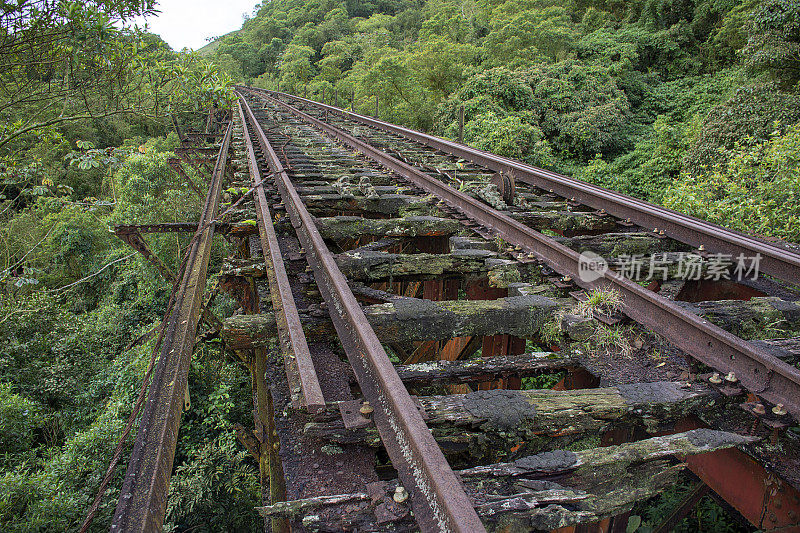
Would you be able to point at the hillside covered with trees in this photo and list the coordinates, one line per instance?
(689, 103)
(86, 103)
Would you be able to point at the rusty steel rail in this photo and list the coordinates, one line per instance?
(166, 227)
(438, 500)
(143, 499)
(776, 261)
(759, 371)
(296, 355)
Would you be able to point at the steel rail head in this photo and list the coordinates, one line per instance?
(759, 371)
(775, 260)
(290, 329)
(143, 498)
(437, 497)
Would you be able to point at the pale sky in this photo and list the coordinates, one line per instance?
(187, 23)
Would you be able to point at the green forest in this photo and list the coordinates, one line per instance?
(689, 103)
(693, 104)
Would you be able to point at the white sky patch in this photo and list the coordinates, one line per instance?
(187, 23)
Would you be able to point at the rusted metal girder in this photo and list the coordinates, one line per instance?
(438, 499)
(686, 505)
(166, 227)
(296, 356)
(131, 236)
(759, 371)
(143, 497)
(177, 165)
(763, 498)
(777, 261)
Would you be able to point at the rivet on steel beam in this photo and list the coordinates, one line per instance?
(655, 230)
(661, 232)
(702, 248)
(366, 409)
(400, 494)
(566, 279)
(759, 409)
(779, 410)
(731, 378)
(715, 379)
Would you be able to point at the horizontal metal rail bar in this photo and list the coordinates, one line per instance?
(438, 500)
(297, 357)
(166, 227)
(143, 499)
(776, 261)
(758, 371)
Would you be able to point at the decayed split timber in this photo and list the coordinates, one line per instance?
(566, 222)
(344, 227)
(412, 319)
(381, 266)
(387, 204)
(539, 492)
(488, 424)
(757, 318)
(616, 244)
(340, 228)
(786, 349)
(329, 205)
(484, 369)
(246, 268)
(372, 266)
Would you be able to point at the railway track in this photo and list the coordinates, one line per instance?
(143, 497)
(760, 371)
(777, 260)
(406, 304)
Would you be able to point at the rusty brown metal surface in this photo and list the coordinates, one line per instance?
(143, 497)
(297, 357)
(684, 508)
(776, 260)
(177, 165)
(762, 498)
(759, 371)
(438, 500)
(166, 227)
